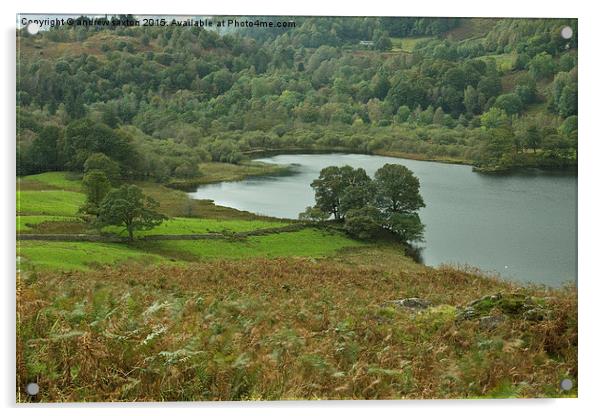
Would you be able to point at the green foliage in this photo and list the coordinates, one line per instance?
(533, 137)
(497, 147)
(510, 103)
(494, 118)
(84, 137)
(406, 225)
(313, 214)
(44, 149)
(569, 125)
(398, 197)
(398, 190)
(567, 104)
(526, 89)
(130, 208)
(101, 162)
(390, 201)
(364, 223)
(331, 187)
(542, 66)
(96, 187)
(160, 101)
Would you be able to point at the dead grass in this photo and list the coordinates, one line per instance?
(282, 329)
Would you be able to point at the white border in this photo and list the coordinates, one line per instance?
(590, 151)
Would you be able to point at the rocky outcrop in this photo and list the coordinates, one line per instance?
(411, 303)
(492, 310)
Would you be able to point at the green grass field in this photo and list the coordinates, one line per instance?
(303, 243)
(57, 180)
(202, 226)
(407, 44)
(45, 202)
(48, 203)
(504, 62)
(58, 255)
(55, 197)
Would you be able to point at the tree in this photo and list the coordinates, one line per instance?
(96, 187)
(398, 197)
(471, 100)
(498, 144)
(330, 187)
(567, 105)
(363, 223)
(398, 190)
(45, 150)
(403, 113)
(101, 162)
(367, 206)
(84, 137)
(542, 66)
(380, 85)
(313, 214)
(490, 86)
(569, 125)
(533, 137)
(382, 42)
(494, 118)
(187, 169)
(439, 116)
(526, 89)
(510, 103)
(127, 206)
(358, 194)
(407, 226)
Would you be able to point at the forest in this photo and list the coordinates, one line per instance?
(494, 93)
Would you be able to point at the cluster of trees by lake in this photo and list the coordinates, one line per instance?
(366, 206)
(159, 100)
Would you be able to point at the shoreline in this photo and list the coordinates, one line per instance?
(193, 184)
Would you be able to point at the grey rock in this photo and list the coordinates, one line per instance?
(412, 303)
(491, 322)
(466, 313)
(536, 314)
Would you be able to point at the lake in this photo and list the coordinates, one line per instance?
(522, 226)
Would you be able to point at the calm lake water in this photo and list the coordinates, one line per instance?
(523, 226)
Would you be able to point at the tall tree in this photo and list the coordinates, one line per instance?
(127, 206)
(398, 197)
(44, 150)
(103, 163)
(96, 187)
(398, 190)
(331, 185)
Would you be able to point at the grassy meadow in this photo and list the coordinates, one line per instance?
(407, 44)
(300, 314)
